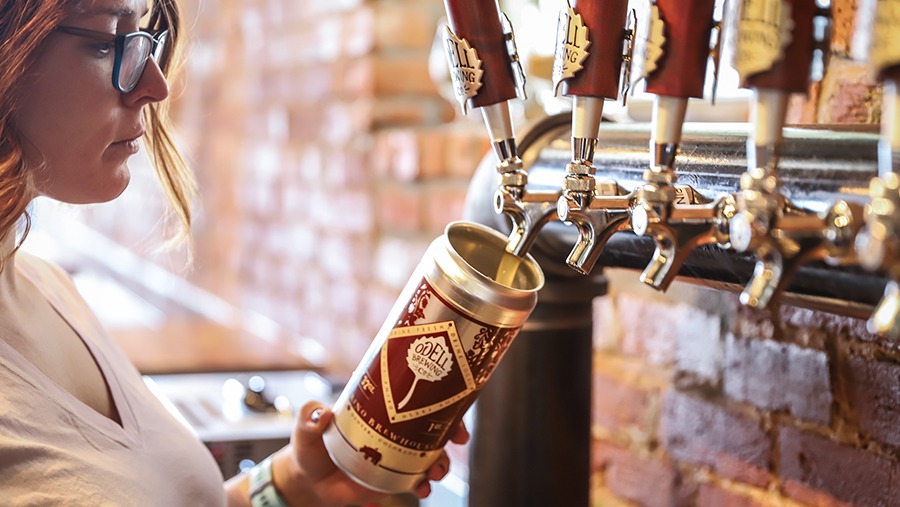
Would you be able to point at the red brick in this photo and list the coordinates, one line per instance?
(396, 258)
(405, 25)
(810, 496)
(443, 203)
(377, 305)
(467, 143)
(703, 432)
(850, 474)
(400, 208)
(403, 75)
(647, 481)
(408, 112)
(622, 406)
(777, 376)
(873, 392)
(711, 495)
(410, 155)
(849, 95)
(357, 31)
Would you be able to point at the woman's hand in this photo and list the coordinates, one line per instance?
(305, 474)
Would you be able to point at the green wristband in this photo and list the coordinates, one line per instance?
(262, 490)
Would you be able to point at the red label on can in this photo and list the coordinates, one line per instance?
(426, 374)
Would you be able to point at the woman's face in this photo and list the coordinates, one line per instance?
(77, 130)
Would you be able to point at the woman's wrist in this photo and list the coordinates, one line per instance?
(290, 481)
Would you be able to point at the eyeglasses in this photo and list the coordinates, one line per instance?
(133, 50)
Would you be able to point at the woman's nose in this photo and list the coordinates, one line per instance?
(152, 87)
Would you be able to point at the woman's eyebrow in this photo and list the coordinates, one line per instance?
(120, 11)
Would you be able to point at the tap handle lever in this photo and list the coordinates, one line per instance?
(589, 40)
(684, 229)
(766, 276)
(478, 53)
(674, 47)
(595, 228)
(597, 219)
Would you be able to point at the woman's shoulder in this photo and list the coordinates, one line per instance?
(42, 271)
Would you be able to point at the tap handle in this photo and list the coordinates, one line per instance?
(774, 43)
(478, 53)
(879, 43)
(680, 68)
(588, 58)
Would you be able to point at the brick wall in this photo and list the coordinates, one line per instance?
(699, 401)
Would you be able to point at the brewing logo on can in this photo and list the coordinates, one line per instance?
(419, 377)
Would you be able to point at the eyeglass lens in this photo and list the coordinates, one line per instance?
(135, 55)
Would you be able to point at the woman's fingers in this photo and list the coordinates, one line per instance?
(461, 435)
(439, 469)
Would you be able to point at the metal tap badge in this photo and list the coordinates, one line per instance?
(760, 30)
(465, 68)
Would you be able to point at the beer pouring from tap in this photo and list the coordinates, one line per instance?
(487, 74)
(587, 67)
(878, 245)
(774, 46)
(676, 35)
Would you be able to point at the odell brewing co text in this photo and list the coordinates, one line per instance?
(447, 332)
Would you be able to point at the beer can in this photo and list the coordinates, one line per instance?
(451, 325)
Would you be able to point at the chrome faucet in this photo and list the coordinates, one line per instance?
(673, 64)
(587, 67)
(781, 235)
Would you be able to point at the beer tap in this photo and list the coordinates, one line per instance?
(587, 67)
(877, 245)
(774, 45)
(675, 48)
(486, 74)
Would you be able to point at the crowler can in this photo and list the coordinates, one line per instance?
(443, 338)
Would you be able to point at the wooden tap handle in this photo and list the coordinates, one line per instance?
(792, 72)
(605, 20)
(681, 71)
(478, 22)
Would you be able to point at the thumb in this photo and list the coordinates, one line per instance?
(309, 448)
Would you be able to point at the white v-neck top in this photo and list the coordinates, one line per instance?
(55, 450)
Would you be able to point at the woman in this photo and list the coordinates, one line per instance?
(82, 82)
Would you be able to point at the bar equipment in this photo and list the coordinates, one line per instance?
(587, 67)
(773, 50)
(676, 37)
(878, 246)
(487, 74)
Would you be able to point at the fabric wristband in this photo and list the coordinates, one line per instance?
(262, 490)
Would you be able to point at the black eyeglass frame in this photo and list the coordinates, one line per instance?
(157, 48)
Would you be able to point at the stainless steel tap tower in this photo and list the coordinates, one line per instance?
(775, 213)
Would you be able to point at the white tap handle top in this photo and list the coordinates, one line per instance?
(498, 121)
(890, 115)
(767, 113)
(668, 119)
(587, 113)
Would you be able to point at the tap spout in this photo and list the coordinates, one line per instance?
(528, 212)
(596, 220)
(687, 228)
